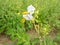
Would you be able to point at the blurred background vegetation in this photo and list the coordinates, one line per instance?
(47, 17)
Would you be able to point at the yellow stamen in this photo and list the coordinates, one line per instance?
(25, 13)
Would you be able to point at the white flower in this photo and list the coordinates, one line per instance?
(28, 17)
(31, 9)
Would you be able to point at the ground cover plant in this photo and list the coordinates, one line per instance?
(45, 21)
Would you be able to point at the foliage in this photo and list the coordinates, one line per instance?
(46, 16)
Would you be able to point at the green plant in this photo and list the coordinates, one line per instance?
(47, 16)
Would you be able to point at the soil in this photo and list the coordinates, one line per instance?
(33, 34)
(4, 40)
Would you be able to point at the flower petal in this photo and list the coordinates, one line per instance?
(28, 17)
(31, 9)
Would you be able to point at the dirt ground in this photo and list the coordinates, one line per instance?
(4, 40)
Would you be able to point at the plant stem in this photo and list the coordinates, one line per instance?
(44, 41)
